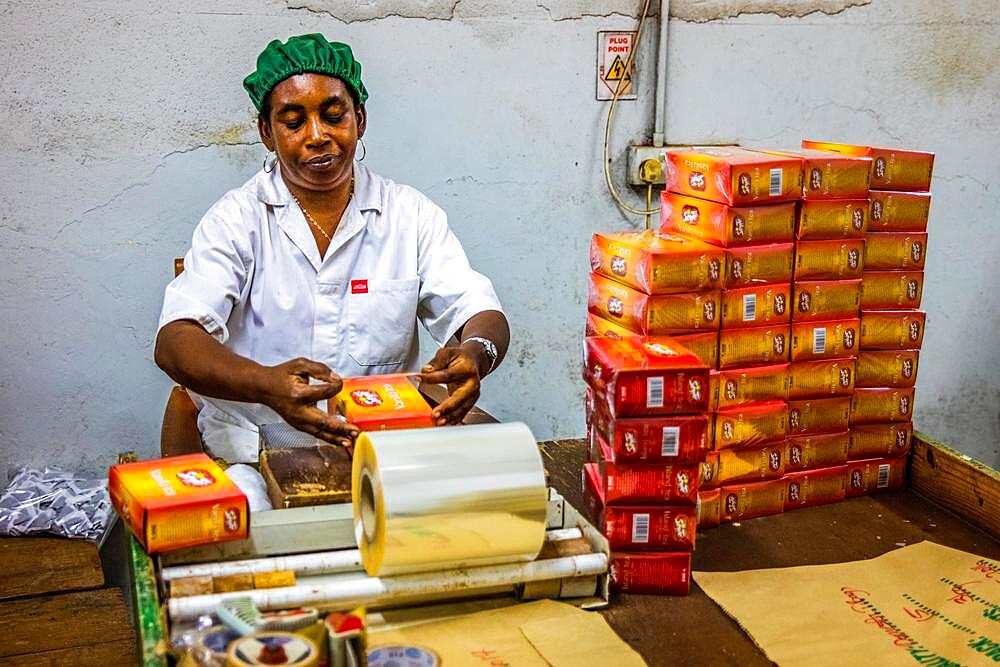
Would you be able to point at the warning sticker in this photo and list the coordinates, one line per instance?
(613, 49)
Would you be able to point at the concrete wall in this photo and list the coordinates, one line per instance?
(124, 121)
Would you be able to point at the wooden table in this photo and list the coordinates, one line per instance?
(693, 630)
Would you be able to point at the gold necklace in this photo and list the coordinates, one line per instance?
(310, 219)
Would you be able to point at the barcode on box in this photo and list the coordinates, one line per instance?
(749, 307)
(883, 476)
(775, 188)
(671, 441)
(640, 528)
(654, 392)
(819, 340)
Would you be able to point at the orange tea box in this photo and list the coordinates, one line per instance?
(657, 263)
(748, 425)
(755, 306)
(384, 402)
(648, 484)
(726, 226)
(829, 260)
(640, 527)
(823, 378)
(892, 290)
(751, 464)
(733, 175)
(828, 175)
(645, 375)
(750, 385)
(753, 346)
(819, 415)
(815, 487)
(875, 406)
(895, 251)
(817, 451)
(598, 326)
(825, 299)
(652, 573)
(657, 314)
(709, 508)
(824, 340)
(891, 168)
(892, 330)
(874, 475)
(832, 219)
(759, 265)
(709, 472)
(178, 502)
(887, 368)
(704, 345)
(898, 211)
(748, 501)
(880, 440)
(680, 439)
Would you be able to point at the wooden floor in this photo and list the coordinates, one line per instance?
(694, 631)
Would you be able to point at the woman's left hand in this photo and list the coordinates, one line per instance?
(457, 367)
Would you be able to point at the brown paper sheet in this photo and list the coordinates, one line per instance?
(539, 633)
(922, 604)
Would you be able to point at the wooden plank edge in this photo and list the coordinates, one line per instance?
(960, 484)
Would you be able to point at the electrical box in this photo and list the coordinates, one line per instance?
(637, 155)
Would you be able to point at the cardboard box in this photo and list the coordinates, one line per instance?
(829, 175)
(598, 326)
(757, 305)
(726, 226)
(749, 425)
(829, 260)
(178, 502)
(638, 527)
(709, 472)
(895, 251)
(657, 314)
(753, 346)
(824, 378)
(891, 168)
(656, 573)
(825, 300)
(652, 375)
(898, 211)
(815, 487)
(875, 406)
(648, 484)
(704, 345)
(892, 290)
(681, 440)
(709, 508)
(887, 368)
(817, 451)
(383, 402)
(824, 340)
(832, 219)
(733, 175)
(759, 265)
(657, 263)
(749, 385)
(880, 441)
(892, 330)
(819, 415)
(748, 501)
(752, 464)
(875, 475)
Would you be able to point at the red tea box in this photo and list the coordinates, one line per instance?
(752, 464)
(892, 290)
(749, 385)
(656, 314)
(753, 346)
(875, 475)
(829, 175)
(824, 378)
(817, 451)
(880, 440)
(733, 175)
(887, 368)
(726, 226)
(675, 439)
(824, 340)
(829, 260)
(654, 573)
(759, 265)
(898, 211)
(704, 345)
(827, 219)
(709, 508)
(895, 251)
(819, 415)
(657, 263)
(875, 406)
(825, 300)
(815, 487)
(748, 501)
(892, 330)
(648, 484)
(756, 306)
(709, 472)
(891, 168)
(748, 425)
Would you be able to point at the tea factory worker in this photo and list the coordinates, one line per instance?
(317, 269)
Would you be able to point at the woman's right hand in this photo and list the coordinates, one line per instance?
(285, 388)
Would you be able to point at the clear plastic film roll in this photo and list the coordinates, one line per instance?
(437, 498)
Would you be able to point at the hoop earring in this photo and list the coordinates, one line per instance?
(365, 154)
(266, 155)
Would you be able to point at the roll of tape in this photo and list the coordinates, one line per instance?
(438, 498)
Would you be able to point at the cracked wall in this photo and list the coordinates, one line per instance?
(109, 158)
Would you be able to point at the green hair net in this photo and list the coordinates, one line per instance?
(304, 53)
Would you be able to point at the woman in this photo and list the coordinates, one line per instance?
(317, 269)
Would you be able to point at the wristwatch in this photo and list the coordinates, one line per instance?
(489, 346)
